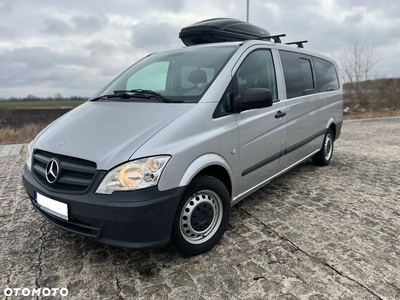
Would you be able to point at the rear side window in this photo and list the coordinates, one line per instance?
(306, 72)
(293, 74)
(327, 79)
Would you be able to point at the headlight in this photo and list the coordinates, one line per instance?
(133, 175)
(29, 156)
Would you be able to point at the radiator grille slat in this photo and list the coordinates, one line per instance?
(75, 174)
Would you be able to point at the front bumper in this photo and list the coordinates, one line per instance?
(136, 219)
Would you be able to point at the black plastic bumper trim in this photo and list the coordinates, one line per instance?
(135, 219)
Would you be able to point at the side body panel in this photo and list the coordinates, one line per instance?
(307, 119)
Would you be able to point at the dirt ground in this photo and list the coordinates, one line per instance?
(314, 233)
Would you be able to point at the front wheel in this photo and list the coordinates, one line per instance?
(202, 216)
(324, 156)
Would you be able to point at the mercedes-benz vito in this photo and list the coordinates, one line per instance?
(162, 152)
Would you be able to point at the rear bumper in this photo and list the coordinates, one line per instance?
(137, 219)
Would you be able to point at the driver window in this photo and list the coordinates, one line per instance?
(257, 71)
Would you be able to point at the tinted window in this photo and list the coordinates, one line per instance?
(293, 74)
(327, 79)
(306, 71)
(257, 70)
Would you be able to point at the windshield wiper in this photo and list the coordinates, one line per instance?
(118, 95)
(144, 93)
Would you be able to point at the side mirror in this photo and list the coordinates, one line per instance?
(253, 98)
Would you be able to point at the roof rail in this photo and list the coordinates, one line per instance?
(276, 38)
(299, 44)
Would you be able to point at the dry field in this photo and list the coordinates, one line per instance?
(19, 126)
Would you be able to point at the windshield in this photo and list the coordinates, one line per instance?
(181, 75)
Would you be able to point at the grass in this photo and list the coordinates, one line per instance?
(21, 135)
(40, 104)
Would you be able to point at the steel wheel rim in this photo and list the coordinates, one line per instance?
(328, 147)
(201, 204)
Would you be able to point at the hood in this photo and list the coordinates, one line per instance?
(107, 133)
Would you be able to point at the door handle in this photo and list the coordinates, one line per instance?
(280, 114)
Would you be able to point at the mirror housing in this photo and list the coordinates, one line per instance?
(253, 98)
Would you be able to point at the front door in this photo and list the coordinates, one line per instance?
(261, 131)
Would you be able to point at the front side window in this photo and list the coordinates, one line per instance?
(181, 75)
(256, 71)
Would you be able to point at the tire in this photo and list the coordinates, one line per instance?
(206, 199)
(324, 156)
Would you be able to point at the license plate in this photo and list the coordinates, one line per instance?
(51, 206)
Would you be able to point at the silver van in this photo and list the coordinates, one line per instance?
(163, 151)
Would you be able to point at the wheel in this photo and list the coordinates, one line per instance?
(202, 216)
(324, 156)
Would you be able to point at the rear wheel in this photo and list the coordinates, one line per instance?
(202, 216)
(324, 156)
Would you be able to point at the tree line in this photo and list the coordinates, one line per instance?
(56, 97)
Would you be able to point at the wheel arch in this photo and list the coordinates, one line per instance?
(210, 164)
(331, 125)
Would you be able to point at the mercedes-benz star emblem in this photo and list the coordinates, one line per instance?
(52, 171)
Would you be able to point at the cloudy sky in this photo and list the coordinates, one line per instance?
(75, 47)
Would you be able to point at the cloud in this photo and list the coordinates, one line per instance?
(77, 46)
(78, 24)
(170, 5)
(89, 24)
(155, 36)
(355, 18)
(5, 9)
(48, 70)
(57, 27)
(37, 58)
(101, 47)
(7, 33)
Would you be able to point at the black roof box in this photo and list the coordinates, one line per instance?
(221, 30)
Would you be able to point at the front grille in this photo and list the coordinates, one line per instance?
(75, 174)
